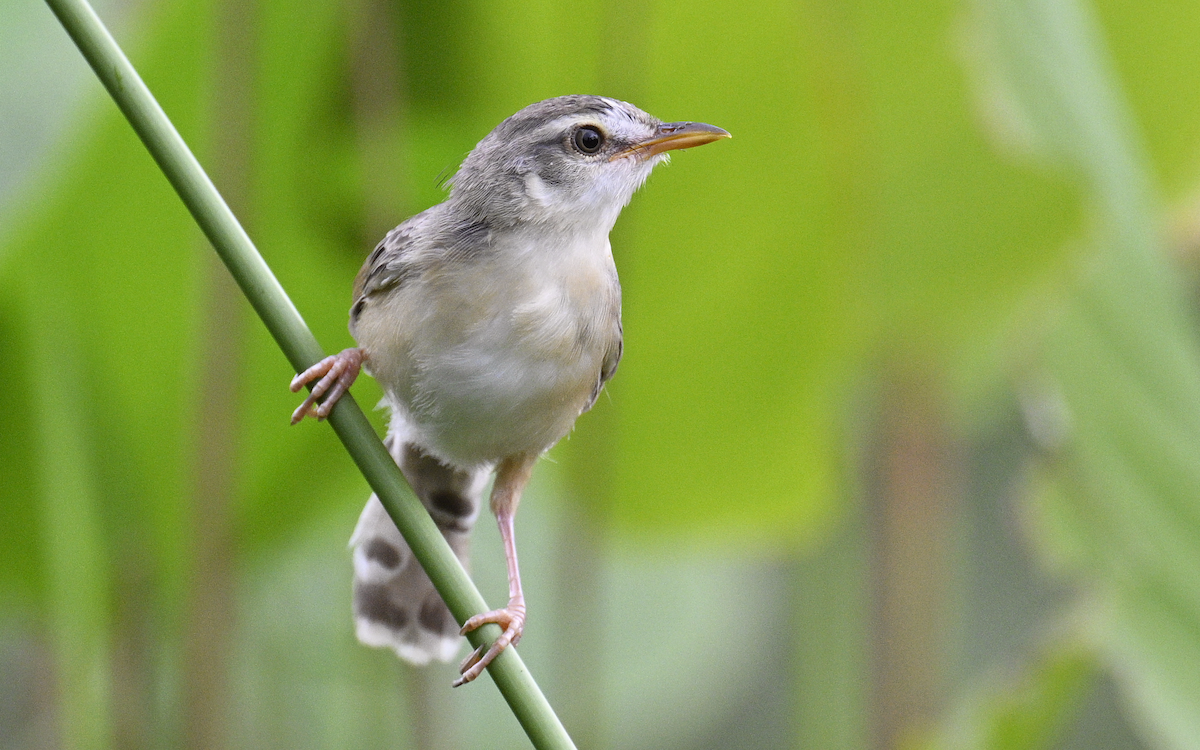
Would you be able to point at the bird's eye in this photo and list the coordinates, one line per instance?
(588, 139)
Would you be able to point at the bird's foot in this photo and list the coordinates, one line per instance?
(511, 618)
(336, 373)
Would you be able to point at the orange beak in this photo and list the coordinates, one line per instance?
(672, 135)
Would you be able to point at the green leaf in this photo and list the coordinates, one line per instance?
(1125, 367)
(1029, 710)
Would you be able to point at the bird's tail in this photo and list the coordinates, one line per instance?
(395, 604)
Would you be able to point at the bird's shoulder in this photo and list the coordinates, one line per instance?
(431, 238)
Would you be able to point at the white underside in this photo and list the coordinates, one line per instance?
(498, 357)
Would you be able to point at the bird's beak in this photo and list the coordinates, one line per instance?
(673, 135)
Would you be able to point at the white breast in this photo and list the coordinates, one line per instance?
(500, 355)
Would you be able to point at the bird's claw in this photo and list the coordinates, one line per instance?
(337, 373)
(512, 619)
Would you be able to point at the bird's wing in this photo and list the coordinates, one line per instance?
(608, 366)
(421, 242)
(612, 357)
(388, 265)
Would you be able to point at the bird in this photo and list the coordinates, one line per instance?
(492, 321)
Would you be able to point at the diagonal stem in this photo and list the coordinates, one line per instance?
(300, 347)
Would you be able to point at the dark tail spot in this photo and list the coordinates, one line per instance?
(383, 552)
(435, 617)
(371, 602)
(451, 503)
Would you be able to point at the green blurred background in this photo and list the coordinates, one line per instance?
(903, 452)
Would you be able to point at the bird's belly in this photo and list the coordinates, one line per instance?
(501, 404)
(478, 386)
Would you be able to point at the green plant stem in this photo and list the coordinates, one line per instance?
(302, 350)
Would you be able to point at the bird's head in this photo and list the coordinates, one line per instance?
(572, 161)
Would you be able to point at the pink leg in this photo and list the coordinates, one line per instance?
(336, 373)
(511, 477)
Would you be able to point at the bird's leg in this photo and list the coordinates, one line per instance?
(511, 477)
(336, 373)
